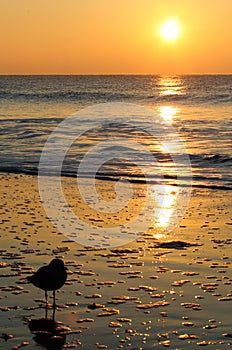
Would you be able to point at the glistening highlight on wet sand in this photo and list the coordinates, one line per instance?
(159, 291)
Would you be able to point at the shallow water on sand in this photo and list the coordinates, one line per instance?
(151, 295)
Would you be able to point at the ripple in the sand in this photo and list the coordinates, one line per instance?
(106, 283)
(202, 343)
(93, 296)
(158, 295)
(177, 245)
(179, 283)
(123, 319)
(227, 335)
(193, 306)
(21, 345)
(152, 305)
(87, 319)
(187, 336)
(114, 324)
(225, 299)
(108, 312)
(190, 273)
(121, 299)
(6, 336)
(210, 326)
(95, 306)
(85, 273)
(101, 346)
(188, 324)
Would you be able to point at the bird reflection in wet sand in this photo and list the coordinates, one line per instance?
(49, 333)
(50, 277)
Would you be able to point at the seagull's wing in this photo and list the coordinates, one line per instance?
(39, 276)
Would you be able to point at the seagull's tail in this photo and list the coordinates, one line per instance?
(29, 279)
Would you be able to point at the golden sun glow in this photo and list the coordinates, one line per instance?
(166, 204)
(170, 30)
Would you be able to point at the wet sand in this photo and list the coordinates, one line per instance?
(159, 291)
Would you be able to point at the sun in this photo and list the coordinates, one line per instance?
(170, 30)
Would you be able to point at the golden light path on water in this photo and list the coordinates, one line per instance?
(171, 86)
(167, 198)
(168, 112)
(166, 205)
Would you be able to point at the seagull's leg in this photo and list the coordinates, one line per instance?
(54, 305)
(53, 313)
(46, 298)
(54, 298)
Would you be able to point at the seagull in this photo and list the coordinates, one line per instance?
(50, 277)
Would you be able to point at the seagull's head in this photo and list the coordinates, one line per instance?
(57, 264)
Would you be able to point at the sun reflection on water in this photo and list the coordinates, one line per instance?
(170, 86)
(168, 112)
(165, 198)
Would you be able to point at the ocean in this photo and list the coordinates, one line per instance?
(198, 108)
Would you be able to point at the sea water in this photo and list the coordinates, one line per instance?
(199, 108)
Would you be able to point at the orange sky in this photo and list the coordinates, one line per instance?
(114, 36)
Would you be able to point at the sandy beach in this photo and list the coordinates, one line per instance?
(158, 291)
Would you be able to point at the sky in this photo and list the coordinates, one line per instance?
(115, 37)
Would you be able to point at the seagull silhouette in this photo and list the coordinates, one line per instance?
(50, 277)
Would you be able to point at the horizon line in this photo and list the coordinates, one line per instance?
(108, 74)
